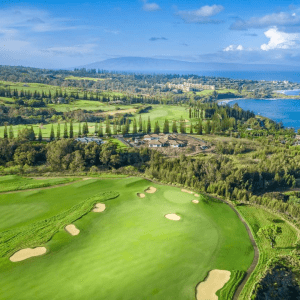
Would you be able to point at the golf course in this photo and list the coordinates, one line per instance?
(121, 238)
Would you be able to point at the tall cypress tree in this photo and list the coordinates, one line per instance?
(166, 128)
(58, 131)
(127, 126)
(100, 131)
(52, 133)
(144, 127)
(32, 134)
(40, 136)
(156, 128)
(107, 126)
(149, 125)
(174, 127)
(134, 129)
(140, 124)
(11, 132)
(5, 132)
(79, 129)
(191, 128)
(66, 131)
(199, 127)
(115, 129)
(71, 130)
(96, 128)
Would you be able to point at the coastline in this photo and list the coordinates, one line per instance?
(221, 102)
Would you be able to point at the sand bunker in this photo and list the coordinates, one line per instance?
(99, 207)
(150, 190)
(141, 195)
(27, 253)
(197, 195)
(186, 191)
(207, 289)
(72, 229)
(172, 217)
(195, 201)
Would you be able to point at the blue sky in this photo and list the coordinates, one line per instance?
(61, 34)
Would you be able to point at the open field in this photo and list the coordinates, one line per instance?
(128, 251)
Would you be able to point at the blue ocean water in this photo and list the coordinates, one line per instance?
(285, 111)
(251, 75)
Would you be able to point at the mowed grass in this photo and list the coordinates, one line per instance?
(15, 183)
(258, 218)
(130, 251)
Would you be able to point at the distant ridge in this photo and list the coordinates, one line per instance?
(145, 64)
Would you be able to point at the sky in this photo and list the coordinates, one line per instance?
(64, 34)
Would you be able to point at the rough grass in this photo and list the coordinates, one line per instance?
(130, 251)
(229, 288)
(84, 78)
(15, 183)
(256, 218)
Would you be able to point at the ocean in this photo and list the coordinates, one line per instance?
(285, 111)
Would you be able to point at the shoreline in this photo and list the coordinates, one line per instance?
(220, 102)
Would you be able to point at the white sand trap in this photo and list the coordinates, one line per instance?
(99, 207)
(88, 178)
(172, 217)
(27, 253)
(150, 190)
(141, 195)
(195, 201)
(186, 191)
(197, 195)
(207, 289)
(72, 229)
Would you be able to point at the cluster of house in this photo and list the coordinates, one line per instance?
(163, 140)
(87, 140)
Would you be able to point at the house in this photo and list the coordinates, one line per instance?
(147, 138)
(155, 144)
(155, 136)
(176, 144)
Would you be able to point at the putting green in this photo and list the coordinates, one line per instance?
(130, 250)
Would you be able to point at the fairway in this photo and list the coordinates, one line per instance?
(128, 251)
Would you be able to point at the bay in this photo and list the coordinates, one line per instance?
(281, 110)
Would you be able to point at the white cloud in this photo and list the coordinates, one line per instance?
(234, 48)
(276, 19)
(150, 6)
(202, 15)
(71, 50)
(280, 40)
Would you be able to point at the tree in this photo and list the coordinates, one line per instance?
(270, 232)
(166, 128)
(156, 128)
(32, 134)
(96, 128)
(174, 127)
(191, 128)
(199, 127)
(58, 131)
(11, 132)
(140, 124)
(40, 136)
(149, 125)
(65, 131)
(107, 125)
(52, 133)
(79, 129)
(5, 132)
(71, 130)
(100, 131)
(134, 129)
